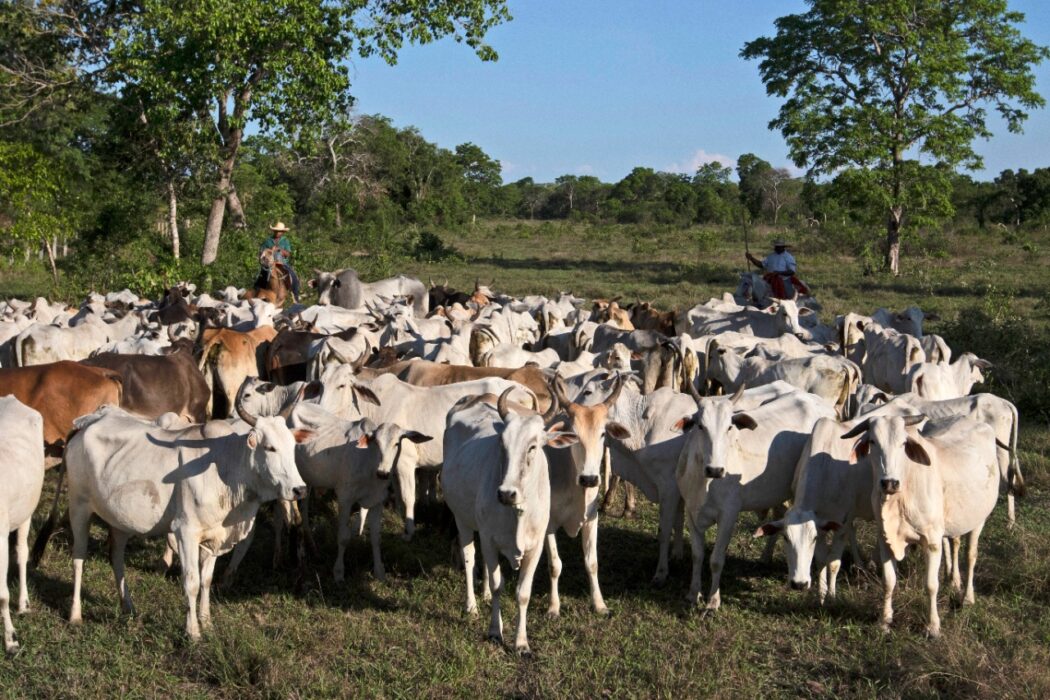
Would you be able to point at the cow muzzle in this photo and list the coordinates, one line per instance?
(298, 493)
(508, 497)
(890, 486)
(589, 481)
(714, 472)
(382, 475)
(798, 585)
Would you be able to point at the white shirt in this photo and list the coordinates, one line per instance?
(780, 262)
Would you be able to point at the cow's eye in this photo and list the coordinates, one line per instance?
(271, 448)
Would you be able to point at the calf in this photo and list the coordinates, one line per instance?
(497, 483)
(22, 473)
(939, 381)
(941, 482)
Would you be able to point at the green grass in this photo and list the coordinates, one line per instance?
(279, 637)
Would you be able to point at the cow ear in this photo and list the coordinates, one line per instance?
(804, 311)
(337, 282)
(617, 431)
(684, 424)
(416, 437)
(860, 451)
(560, 439)
(744, 421)
(362, 442)
(312, 284)
(829, 525)
(312, 390)
(768, 529)
(916, 452)
(253, 439)
(302, 436)
(366, 394)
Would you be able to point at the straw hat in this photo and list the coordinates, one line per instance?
(279, 227)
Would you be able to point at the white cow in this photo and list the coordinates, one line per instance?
(889, 357)
(722, 470)
(496, 482)
(936, 349)
(203, 484)
(947, 381)
(355, 459)
(940, 482)
(22, 473)
(829, 494)
(38, 344)
(781, 318)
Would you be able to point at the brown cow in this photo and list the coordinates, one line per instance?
(424, 373)
(227, 358)
(61, 392)
(157, 384)
(645, 317)
(287, 356)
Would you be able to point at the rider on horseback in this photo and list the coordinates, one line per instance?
(281, 249)
(778, 265)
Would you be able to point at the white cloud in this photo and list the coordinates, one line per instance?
(698, 158)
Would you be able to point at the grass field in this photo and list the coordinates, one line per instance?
(279, 637)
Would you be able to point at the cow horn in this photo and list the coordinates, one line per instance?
(446, 282)
(615, 393)
(501, 404)
(552, 410)
(477, 283)
(357, 364)
(432, 283)
(557, 385)
(239, 406)
(286, 412)
(914, 419)
(738, 395)
(857, 430)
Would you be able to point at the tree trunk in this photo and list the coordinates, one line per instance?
(218, 211)
(893, 240)
(49, 246)
(338, 216)
(236, 210)
(173, 219)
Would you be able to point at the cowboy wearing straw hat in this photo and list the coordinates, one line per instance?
(778, 265)
(282, 253)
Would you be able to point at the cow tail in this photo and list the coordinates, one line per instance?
(18, 351)
(1015, 480)
(42, 537)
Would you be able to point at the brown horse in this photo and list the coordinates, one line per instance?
(280, 281)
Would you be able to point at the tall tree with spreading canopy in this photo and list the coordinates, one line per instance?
(877, 84)
(280, 64)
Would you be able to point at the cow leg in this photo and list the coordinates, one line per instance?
(79, 517)
(679, 524)
(346, 533)
(189, 555)
(933, 581)
(610, 492)
(669, 503)
(304, 520)
(119, 544)
(375, 532)
(971, 561)
(281, 518)
(770, 545)
(590, 560)
(1011, 515)
(208, 560)
(956, 574)
(22, 556)
(524, 593)
(834, 563)
(406, 482)
(239, 550)
(554, 562)
(490, 554)
(357, 521)
(630, 505)
(889, 582)
(10, 645)
(607, 474)
(697, 540)
(168, 558)
(718, 557)
(466, 543)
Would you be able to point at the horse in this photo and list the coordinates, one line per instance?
(278, 284)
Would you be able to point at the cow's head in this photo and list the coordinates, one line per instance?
(890, 447)
(523, 437)
(976, 365)
(715, 430)
(592, 426)
(390, 443)
(271, 446)
(342, 394)
(325, 283)
(787, 313)
(800, 529)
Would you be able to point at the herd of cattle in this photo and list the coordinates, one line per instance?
(179, 418)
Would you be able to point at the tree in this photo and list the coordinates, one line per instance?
(751, 171)
(876, 85)
(481, 174)
(279, 64)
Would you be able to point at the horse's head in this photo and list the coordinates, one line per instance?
(266, 259)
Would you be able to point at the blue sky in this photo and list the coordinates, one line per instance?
(593, 87)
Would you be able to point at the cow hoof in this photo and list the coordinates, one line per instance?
(630, 514)
(603, 612)
(933, 632)
(659, 581)
(708, 613)
(11, 648)
(472, 613)
(495, 638)
(524, 651)
(553, 613)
